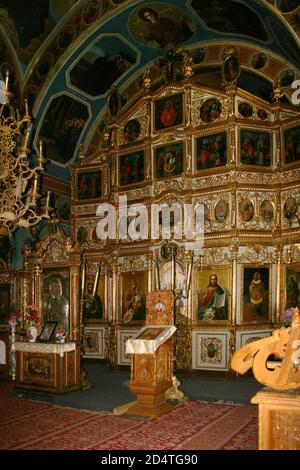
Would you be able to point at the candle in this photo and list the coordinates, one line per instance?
(41, 150)
(82, 279)
(96, 281)
(35, 183)
(26, 108)
(26, 136)
(157, 283)
(6, 80)
(48, 199)
(188, 286)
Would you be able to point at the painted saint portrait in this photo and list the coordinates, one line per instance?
(93, 302)
(160, 25)
(132, 168)
(131, 131)
(91, 11)
(89, 185)
(245, 109)
(211, 151)
(169, 160)
(213, 285)
(267, 211)
(286, 78)
(210, 110)
(62, 126)
(63, 208)
(255, 302)
(134, 290)
(255, 148)
(259, 60)
(168, 112)
(82, 235)
(56, 297)
(292, 145)
(292, 287)
(262, 114)
(221, 211)
(231, 69)
(246, 210)
(290, 208)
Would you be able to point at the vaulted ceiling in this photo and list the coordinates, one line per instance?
(65, 56)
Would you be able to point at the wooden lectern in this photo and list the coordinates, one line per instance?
(151, 365)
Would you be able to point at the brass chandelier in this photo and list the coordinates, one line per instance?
(19, 180)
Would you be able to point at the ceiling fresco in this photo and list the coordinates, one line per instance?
(77, 50)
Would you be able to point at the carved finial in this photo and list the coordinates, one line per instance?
(187, 66)
(277, 92)
(146, 79)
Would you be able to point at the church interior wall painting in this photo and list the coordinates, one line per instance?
(256, 294)
(169, 160)
(213, 288)
(56, 297)
(62, 126)
(211, 151)
(110, 54)
(291, 284)
(255, 148)
(291, 145)
(168, 112)
(210, 110)
(133, 297)
(160, 25)
(132, 168)
(89, 185)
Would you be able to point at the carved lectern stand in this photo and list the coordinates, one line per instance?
(152, 355)
(275, 362)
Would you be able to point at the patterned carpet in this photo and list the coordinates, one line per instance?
(197, 425)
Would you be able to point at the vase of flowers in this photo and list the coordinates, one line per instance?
(31, 319)
(287, 317)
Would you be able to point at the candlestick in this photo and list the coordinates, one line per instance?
(48, 199)
(26, 108)
(6, 80)
(35, 183)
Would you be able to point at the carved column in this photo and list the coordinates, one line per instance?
(234, 253)
(278, 257)
(36, 299)
(150, 269)
(77, 322)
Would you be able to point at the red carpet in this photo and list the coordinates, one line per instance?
(27, 424)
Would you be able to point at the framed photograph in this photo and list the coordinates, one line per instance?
(211, 151)
(213, 287)
(48, 331)
(291, 287)
(93, 308)
(255, 148)
(56, 297)
(132, 168)
(133, 297)
(291, 138)
(169, 160)
(256, 294)
(89, 185)
(4, 302)
(168, 112)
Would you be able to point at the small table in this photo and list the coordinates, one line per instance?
(47, 367)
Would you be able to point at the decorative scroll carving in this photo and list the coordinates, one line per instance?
(256, 254)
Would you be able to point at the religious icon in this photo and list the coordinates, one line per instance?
(155, 29)
(132, 168)
(255, 302)
(259, 60)
(89, 185)
(231, 69)
(290, 208)
(255, 148)
(292, 287)
(213, 286)
(131, 131)
(113, 103)
(292, 145)
(211, 151)
(210, 110)
(94, 300)
(56, 297)
(4, 302)
(246, 210)
(134, 289)
(221, 211)
(169, 112)
(169, 160)
(267, 211)
(245, 109)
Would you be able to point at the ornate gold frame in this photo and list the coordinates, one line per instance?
(265, 319)
(89, 169)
